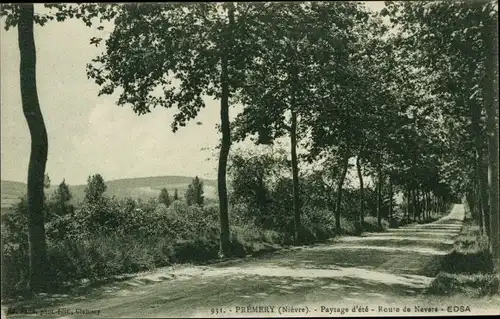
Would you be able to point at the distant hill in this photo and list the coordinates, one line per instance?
(142, 187)
(10, 192)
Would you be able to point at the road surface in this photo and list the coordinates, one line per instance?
(381, 273)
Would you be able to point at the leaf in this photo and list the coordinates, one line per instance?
(95, 41)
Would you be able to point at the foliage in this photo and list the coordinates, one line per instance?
(194, 192)
(109, 237)
(175, 54)
(468, 268)
(252, 175)
(164, 197)
(406, 98)
(95, 188)
(456, 58)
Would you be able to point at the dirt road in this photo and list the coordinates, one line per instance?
(381, 273)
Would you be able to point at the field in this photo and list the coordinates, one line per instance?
(138, 188)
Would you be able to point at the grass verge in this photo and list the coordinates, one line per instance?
(468, 269)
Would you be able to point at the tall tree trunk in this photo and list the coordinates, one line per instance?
(295, 176)
(379, 195)
(491, 106)
(428, 204)
(438, 211)
(225, 245)
(482, 185)
(361, 193)
(421, 195)
(345, 162)
(294, 74)
(424, 205)
(476, 200)
(480, 168)
(441, 205)
(408, 203)
(420, 204)
(436, 206)
(471, 204)
(39, 149)
(420, 199)
(415, 204)
(433, 205)
(391, 195)
(434, 209)
(429, 209)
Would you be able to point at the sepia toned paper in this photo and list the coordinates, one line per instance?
(132, 195)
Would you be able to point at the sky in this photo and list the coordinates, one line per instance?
(90, 134)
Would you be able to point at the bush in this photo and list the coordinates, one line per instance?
(111, 237)
(199, 249)
(107, 237)
(370, 224)
(476, 285)
(470, 253)
(248, 239)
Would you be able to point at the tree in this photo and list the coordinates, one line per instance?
(95, 188)
(461, 61)
(252, 175)
(63, 193)
(176, 195)
(491, 105)
(183, 52)
(164, 197)
(24, 17)
(60, 205)
(282, 84)
(194, 192)
(352, 91)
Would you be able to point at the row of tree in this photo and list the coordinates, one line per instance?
(193, 195)
(95, 188)
(309, 71)
(455, 47)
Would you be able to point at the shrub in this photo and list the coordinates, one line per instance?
(468, 268)
(370, 224)
(470, 253)
(476, 285)
(198, 249)
(248, 239)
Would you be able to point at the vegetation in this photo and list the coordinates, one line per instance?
(459, 67)
(107, 236)
(164, 197)
(469, 268)
(194, 193)
(408, 93)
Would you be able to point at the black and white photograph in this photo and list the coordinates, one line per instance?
(249, 159)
